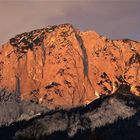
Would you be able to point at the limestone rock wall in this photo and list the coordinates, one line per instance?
(61, 66)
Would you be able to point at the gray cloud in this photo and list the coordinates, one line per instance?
(112, 18)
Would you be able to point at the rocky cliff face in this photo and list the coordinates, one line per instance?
(60, 66)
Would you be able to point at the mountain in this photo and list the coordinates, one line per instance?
(60, 66)
(61, 83)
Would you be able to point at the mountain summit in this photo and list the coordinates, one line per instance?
(60, 66)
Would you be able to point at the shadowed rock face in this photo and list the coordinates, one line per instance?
(59, 66)
(14, 110)
(114, 117)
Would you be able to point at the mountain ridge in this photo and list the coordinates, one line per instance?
(60, 66)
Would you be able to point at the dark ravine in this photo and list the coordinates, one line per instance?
(17, 89)
(85, 56)
(84, 59)
(115, 117)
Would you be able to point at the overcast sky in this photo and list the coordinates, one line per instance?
(112, 18)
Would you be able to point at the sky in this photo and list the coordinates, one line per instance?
(115, 19)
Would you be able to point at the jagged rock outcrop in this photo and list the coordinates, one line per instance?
(60, 66)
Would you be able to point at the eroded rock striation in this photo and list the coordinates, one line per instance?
(60, 66)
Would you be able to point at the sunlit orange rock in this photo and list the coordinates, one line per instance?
(61, 66)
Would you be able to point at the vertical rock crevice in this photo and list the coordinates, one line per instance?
(17, 93)
(43, 54)
(84, 59)
(84, 52)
